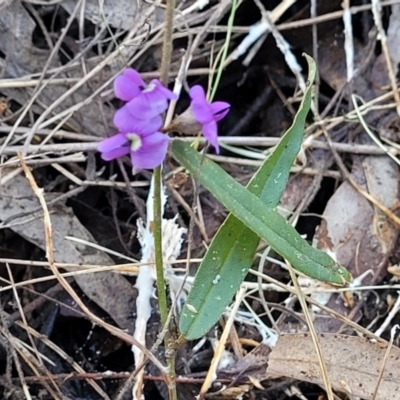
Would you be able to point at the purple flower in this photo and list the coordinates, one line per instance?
(126, 122)
(147, 151)
(144, 102)
(208, 114)
(138, 121)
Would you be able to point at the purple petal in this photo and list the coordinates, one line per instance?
(197, 93)
(113, 154)
(148, 105)
(158, 100)
(210, 132)
(200, 107)
(128, 85)
(134, 76)
(112, 143)
(126, 122)
(152, 153)
(169, 94)
(219, 109)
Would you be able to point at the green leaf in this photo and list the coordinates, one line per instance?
(264, 221)
(231, 252)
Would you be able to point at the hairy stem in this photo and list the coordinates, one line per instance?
(161, 288)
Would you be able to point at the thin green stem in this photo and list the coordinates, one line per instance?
(161, 288)
(225, 50)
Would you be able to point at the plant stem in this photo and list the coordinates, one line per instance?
(167, 42)
(224, 51)
(161, 290)
(162, 295)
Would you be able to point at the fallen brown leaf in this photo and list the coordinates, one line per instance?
(106, 12)
(23, 58)
(252, 366)
(353, 363)
(360, 235)
(110, 291)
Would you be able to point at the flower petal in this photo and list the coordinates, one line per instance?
(169, 94)
(152, 153)
(112, 143)
(126, 122)
(220, 109)
(197, 93)
(148, 105)
(128, 85)
(134, 76)
(210, 132)
(200, 107)
(113, 154)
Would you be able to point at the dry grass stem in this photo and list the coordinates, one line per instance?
(385, 360)
(211, 373)
(310, 324)
(53, 116)
(50, 256)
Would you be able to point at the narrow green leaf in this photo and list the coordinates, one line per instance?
(265, 221)
(230, 254)
(232, 250)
